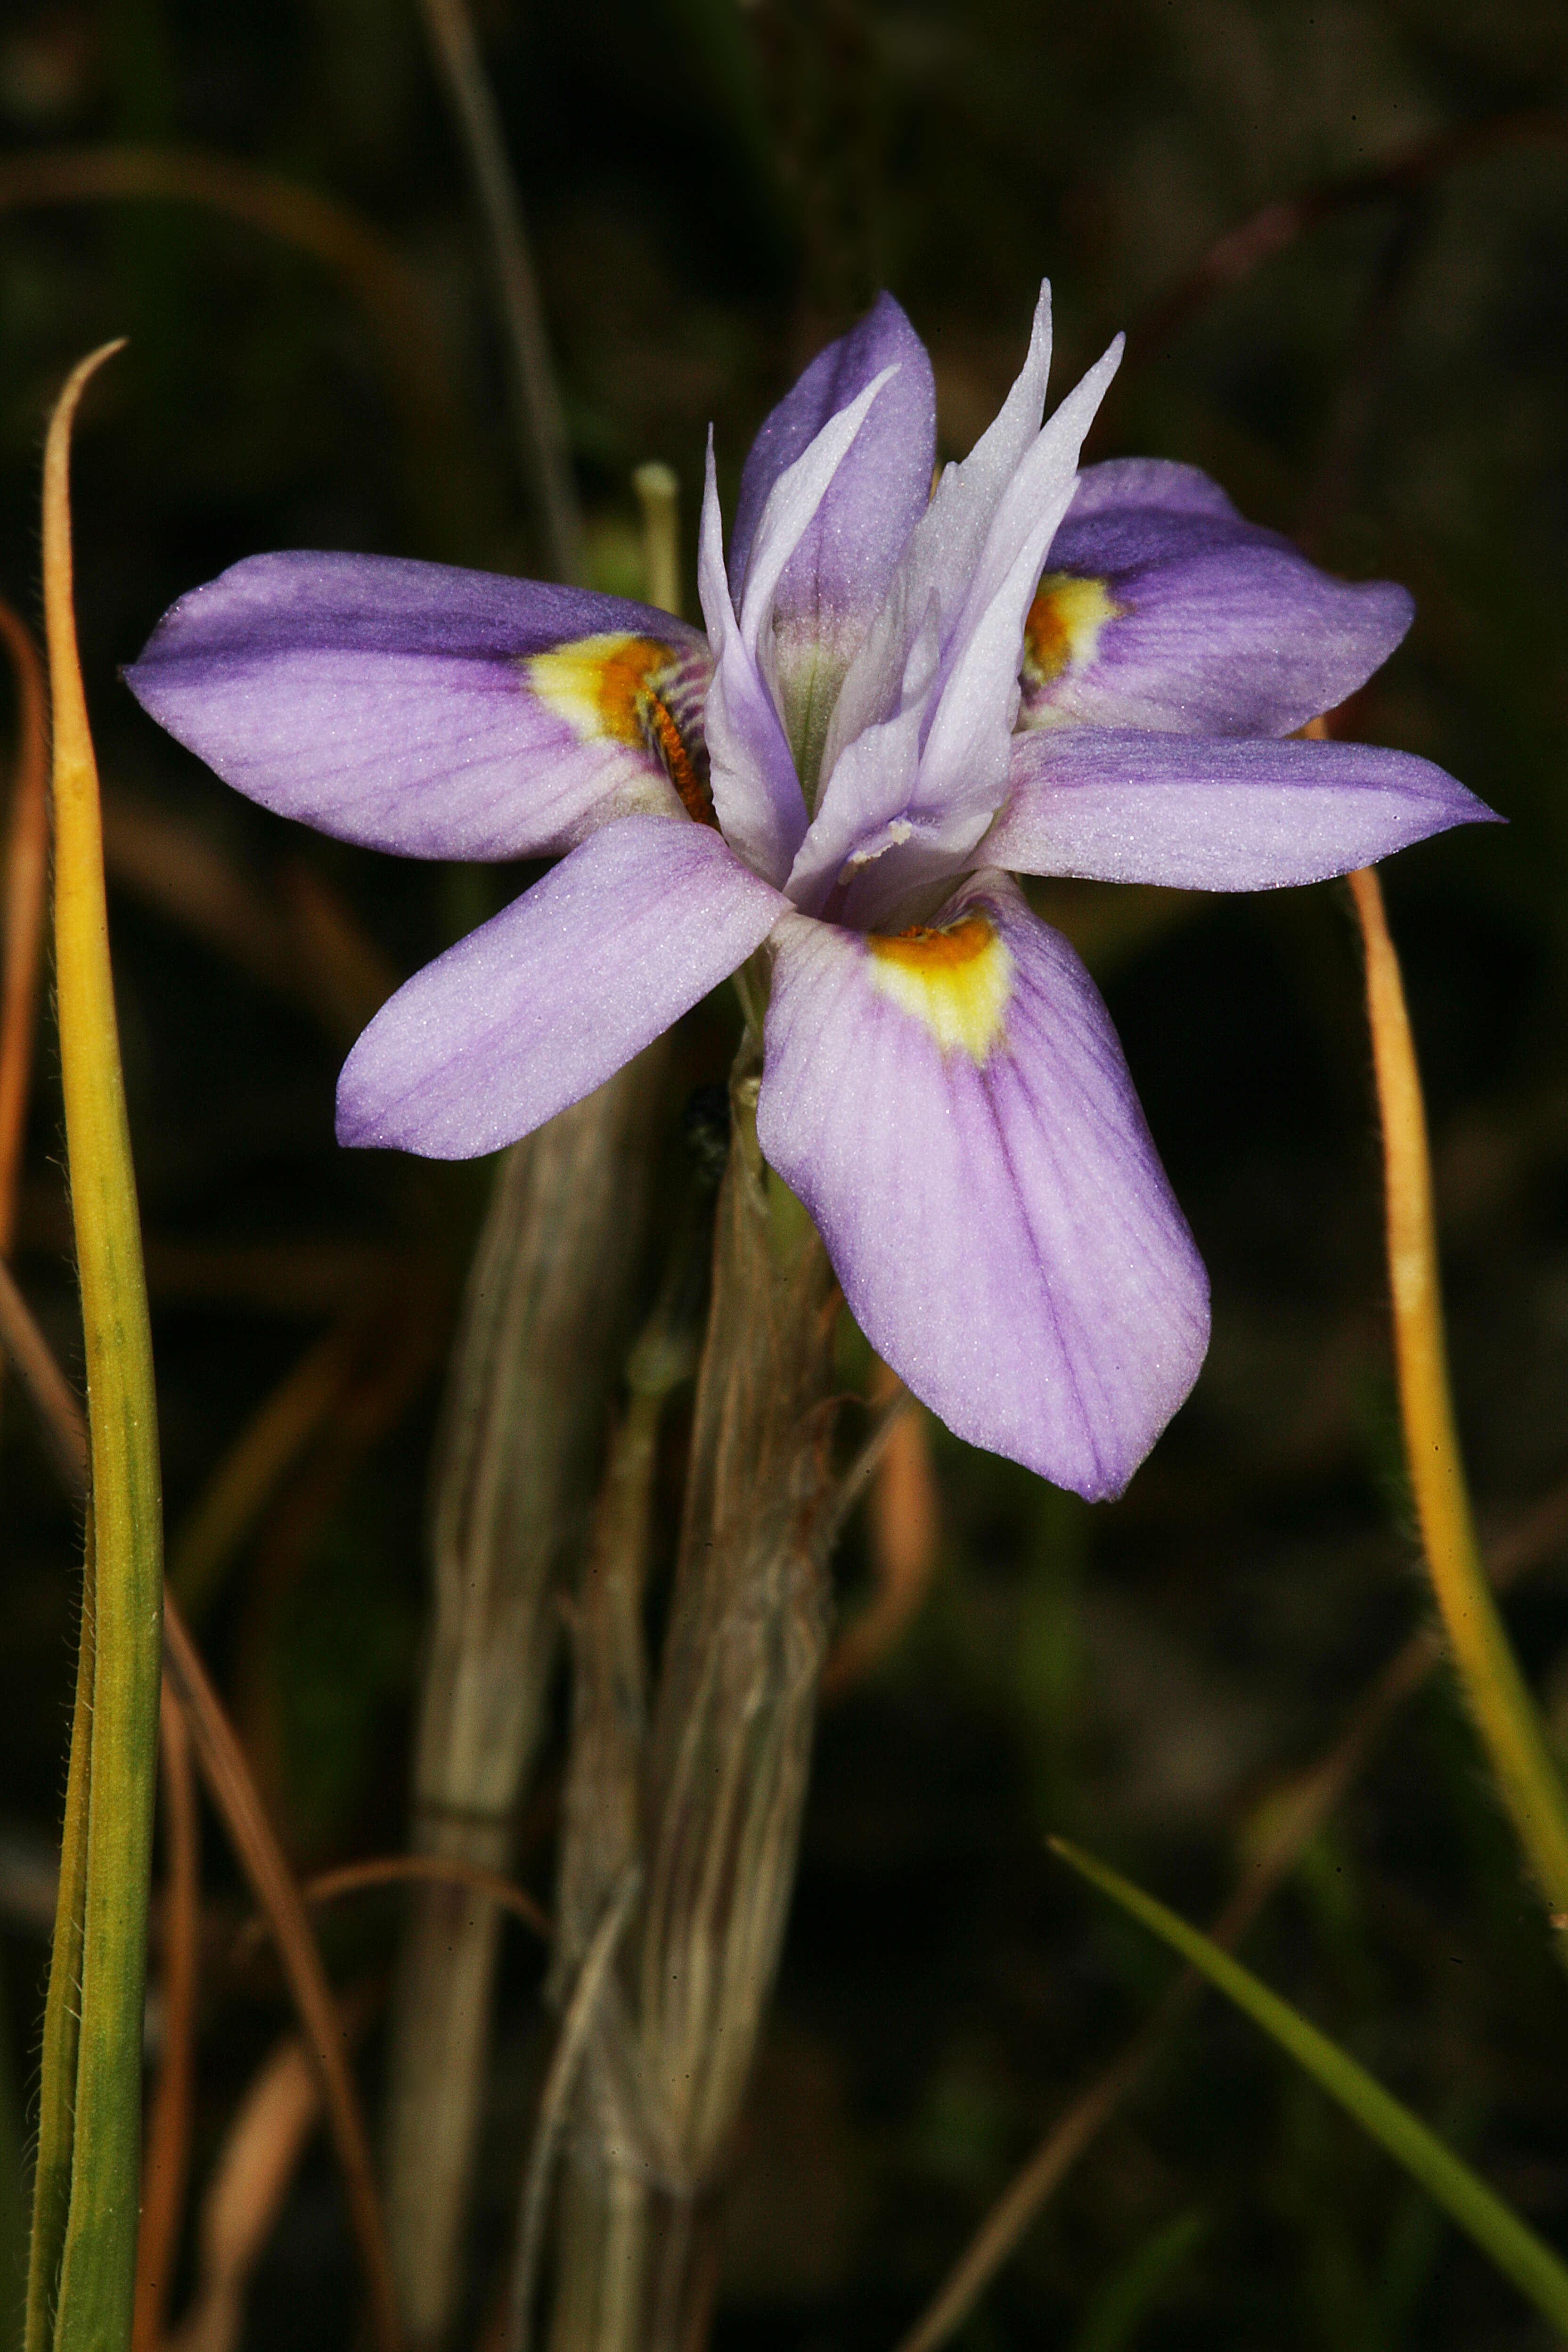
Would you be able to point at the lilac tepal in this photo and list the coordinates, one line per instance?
(899, 700)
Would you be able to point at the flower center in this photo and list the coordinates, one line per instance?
(955, 977)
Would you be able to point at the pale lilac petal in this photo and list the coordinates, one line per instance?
(1211, 812)
(1002, 1227)
(795, 506)
(541, 1004)
(755, 782)
(393, 703)
(800, 652)
(964, 762)
(841, 567)
(970, 707)
(1207, 625)
(1148, 484)
(944, 546)
(863, 818)
(751, 771)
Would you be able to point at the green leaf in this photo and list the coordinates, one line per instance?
(103, 2140)
(57, 2084)
(1516, 2250)
(1127, 2298)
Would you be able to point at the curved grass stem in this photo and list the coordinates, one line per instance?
(1505, 1714)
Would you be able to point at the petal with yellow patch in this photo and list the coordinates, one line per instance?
(1063, 629)
(1000, 1223)
(956, 978)
(434, 712)
(637, 691)
(1165, 609)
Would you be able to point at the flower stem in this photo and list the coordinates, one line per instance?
(1504, 1712)
(658, 495)
(97, 2270)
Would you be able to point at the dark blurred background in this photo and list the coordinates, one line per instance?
(1380, 367)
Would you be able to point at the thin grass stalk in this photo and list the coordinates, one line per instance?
(1505, 1714)
(235, 1795)
(254, 2168)
(288, 1421)
(600, 1844)
(97, 2264)
(544, 1328)
(715, 1792)
(56, 1411)
(404, 1869)
(540, 421)
(658, 495)
(234, 1792)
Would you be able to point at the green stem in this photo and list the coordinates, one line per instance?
(1516, 2250)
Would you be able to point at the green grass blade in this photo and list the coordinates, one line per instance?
(98, 2266)
(57, 2095)
(1518, 2253)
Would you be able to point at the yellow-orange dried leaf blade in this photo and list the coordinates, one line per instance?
(1505, 1714)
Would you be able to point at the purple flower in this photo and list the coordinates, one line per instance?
(901, 695)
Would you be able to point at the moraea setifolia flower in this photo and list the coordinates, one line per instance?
(901, 698)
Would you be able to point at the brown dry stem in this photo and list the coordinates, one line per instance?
(544, 1328)
(708, 1805)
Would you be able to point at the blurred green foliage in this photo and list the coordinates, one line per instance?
(712, 191)
(13, 2187)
